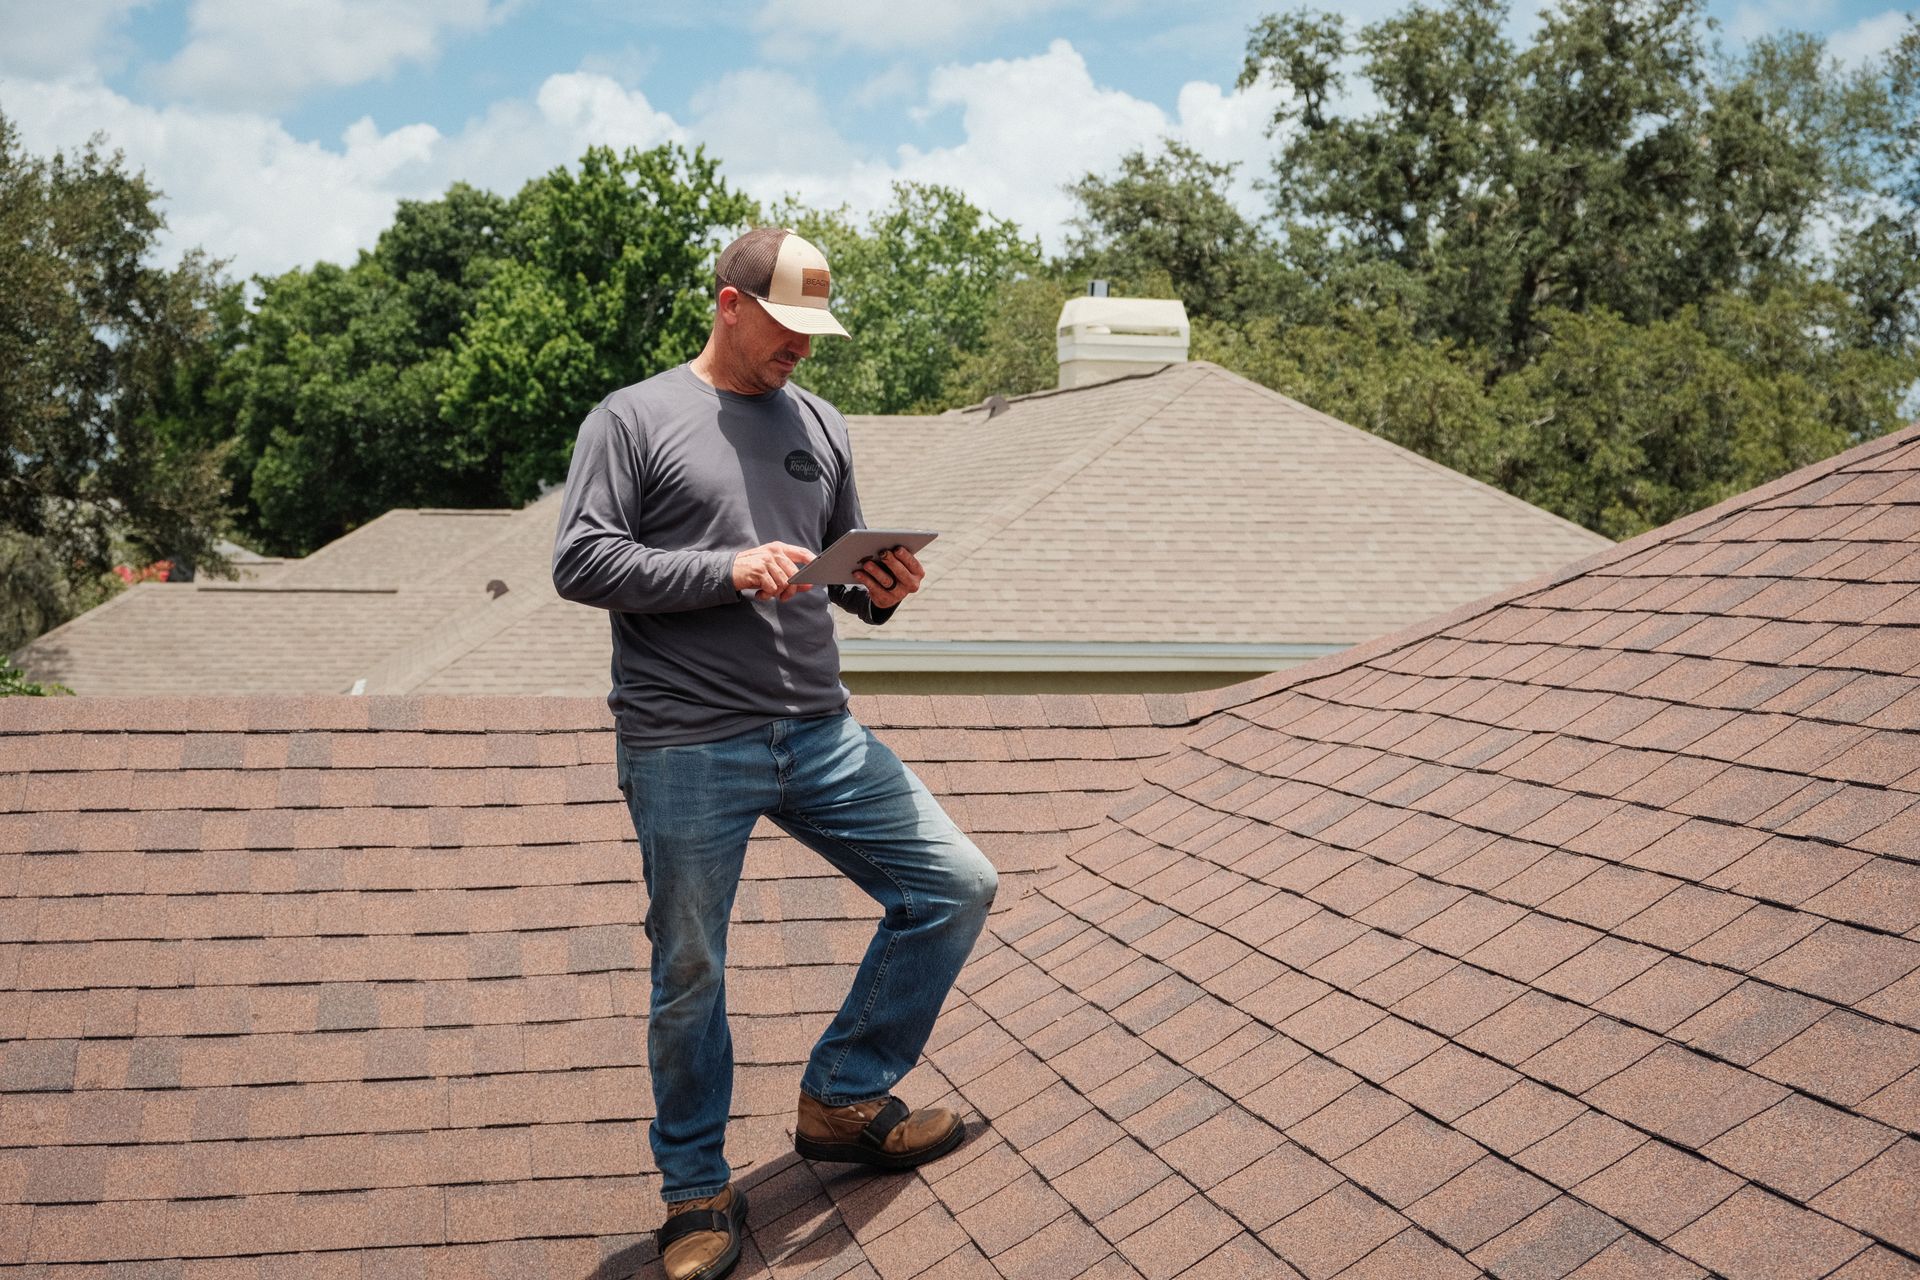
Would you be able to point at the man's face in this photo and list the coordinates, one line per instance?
(765, 350)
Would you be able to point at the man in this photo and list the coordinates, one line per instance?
(693, 499)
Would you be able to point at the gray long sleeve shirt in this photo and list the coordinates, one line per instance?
(671, 478)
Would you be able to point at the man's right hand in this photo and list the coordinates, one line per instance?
(766, 570)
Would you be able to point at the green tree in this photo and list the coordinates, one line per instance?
(1607, 272)
(1017, 351)
(1169, 215)
(451, 363)
(331, 384)
(915, 287)
(1604, 166)
(92, 336)
(609, 283)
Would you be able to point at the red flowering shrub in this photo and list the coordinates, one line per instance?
(155, 572)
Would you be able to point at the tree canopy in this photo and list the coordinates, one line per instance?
(94, 339)
(1611, 272)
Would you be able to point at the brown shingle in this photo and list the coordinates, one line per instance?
(1519, 1117)
(1274, 1186)
(1175, 1241)
(1882, 1197)
(1800, 1147)
(1592, 1141)
(1411, 1253)
(1843, 1057)
(1549, 1243)
(1757, 1234)
(1658, 1189)
(1683, 1096)
(1841, 963)
(1409, 1159)
(1479, 1203)
(1333, 1232)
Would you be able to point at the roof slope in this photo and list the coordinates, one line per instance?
(1118, 509)
(1575, 933)
(303, 626)
(1100, 514)
(356, 986)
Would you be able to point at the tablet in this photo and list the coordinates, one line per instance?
(837, 563)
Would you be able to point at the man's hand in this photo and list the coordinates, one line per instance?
(897, 569)
(766, 569)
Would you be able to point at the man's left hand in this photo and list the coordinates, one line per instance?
(890, 577)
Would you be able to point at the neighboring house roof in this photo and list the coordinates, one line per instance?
(1573, 933)
(1188, 508)
(313, 625)
(1189, 504)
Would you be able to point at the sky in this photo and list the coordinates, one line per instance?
(282, 132)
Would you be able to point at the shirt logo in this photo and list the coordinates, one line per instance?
(802, 465)
(815, 283)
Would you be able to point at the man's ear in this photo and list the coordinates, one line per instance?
(727, 305)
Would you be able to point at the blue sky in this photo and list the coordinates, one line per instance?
(283, 131)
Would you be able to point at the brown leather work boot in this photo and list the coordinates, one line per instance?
(700, 1239)
(881, 1133)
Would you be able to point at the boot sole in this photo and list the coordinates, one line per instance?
(859, 1153)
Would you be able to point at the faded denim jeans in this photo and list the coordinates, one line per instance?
(833, 786)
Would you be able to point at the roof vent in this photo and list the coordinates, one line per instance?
(1102, 338)
(995, 406)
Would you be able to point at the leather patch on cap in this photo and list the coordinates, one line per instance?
(815, 283)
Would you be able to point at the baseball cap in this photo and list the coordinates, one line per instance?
(786, 274)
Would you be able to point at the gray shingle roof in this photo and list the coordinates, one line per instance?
(1187, 506)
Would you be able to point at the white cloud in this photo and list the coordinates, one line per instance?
(761, 119)
(1768, 17)
(790, 28)
(240, 186)
(42, 39)
(1034, 124)
(897, 82)
(245, 53)
(1868, 38)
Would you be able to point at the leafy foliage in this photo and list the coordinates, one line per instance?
(91, 335)
(450, 365)
(610, 285)
(915, 288)
(1600, 272)
(1169, 217)
(14, 683)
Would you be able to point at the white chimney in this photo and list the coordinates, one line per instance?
(1102, 338)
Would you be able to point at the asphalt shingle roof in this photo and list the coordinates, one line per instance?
(1574, 933)
(1188, 505)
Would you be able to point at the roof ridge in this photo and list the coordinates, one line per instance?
(1024, 499)
(1206, 702)
(403, 670)
(1044, 393)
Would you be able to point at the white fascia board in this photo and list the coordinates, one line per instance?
(1051, 655)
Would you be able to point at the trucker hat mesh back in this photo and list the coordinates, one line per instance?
(747, 263)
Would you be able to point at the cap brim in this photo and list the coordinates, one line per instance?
(811, 320)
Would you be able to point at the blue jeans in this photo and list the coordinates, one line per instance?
(832, 785)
